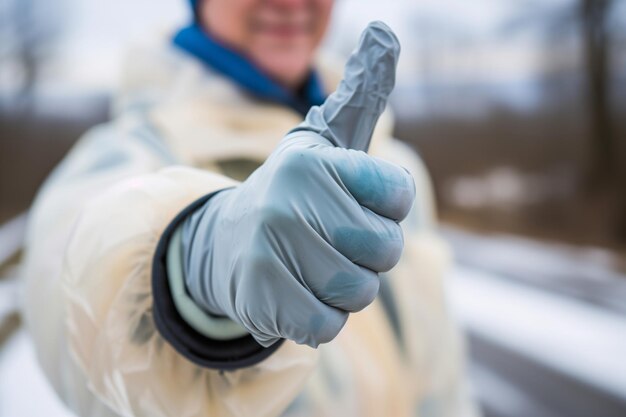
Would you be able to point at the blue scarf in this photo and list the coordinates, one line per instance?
(245, 74)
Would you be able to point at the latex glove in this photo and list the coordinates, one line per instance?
(295, 248)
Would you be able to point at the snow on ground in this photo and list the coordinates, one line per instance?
(576, 338)
(24, 391)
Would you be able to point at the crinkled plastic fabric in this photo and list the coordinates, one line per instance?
(114, 340)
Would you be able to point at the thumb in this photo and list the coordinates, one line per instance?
(348, 116)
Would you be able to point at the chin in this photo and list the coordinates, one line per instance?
(288, 68)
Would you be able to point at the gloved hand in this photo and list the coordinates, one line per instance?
(295, 248)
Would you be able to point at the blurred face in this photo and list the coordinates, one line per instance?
(279, 36)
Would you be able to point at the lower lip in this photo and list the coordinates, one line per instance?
(283, 32)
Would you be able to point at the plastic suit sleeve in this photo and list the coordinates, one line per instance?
(109, 300)
(87, 271)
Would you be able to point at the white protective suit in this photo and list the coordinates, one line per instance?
(180, 131)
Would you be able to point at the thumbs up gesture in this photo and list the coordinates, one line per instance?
(295, 248)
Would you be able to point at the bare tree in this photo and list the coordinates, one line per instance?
(597, 50)
(590, 19)
(30, 29)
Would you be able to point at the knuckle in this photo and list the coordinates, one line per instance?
(367, 294)
(392, 250)
(270, 214)
(299, 160)
(258, 268)
(260, 262)
(272, 218)
(407, 195)
(329, 327)
(325, 337)
(351, 291)
(411, 185)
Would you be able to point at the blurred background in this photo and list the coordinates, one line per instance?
(518, 109)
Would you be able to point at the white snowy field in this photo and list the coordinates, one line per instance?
(569, 336)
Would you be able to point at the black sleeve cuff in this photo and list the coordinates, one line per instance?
(201, 350)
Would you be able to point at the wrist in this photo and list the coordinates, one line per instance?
(206, 324)
(203, 350)
(199, 238)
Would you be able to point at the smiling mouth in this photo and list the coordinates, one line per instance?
(284, 30)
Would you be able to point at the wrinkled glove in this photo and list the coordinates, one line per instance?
(295, 248)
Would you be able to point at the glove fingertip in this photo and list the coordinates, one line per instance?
(325, 327)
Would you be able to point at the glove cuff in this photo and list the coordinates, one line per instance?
(214, 327)
(200, 348)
